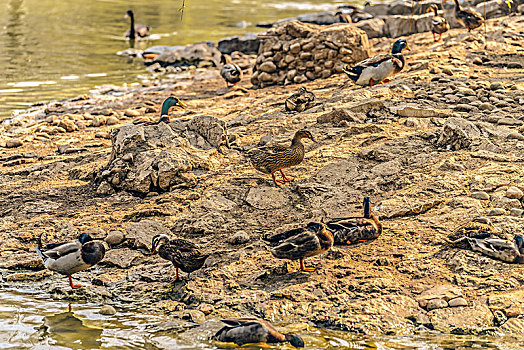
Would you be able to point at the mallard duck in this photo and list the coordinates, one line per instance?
(375, 69)
(136, 31)
(184, 254)
(439, 25)
(71, 257)
(270, 159)
(469, 18)
(480, 227)
(168, 103)
(300, 243)
(253, 330)
(300, 101)
(351, 230)
(231, 73)
(496, 248)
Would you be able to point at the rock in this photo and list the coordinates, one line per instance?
(240, 237)
(247, 44)
(445, 292)
(207, 309)
(514, 192)
(114, 238)
(107, 310)
(422, 319)
(458, 302)
(13, 143)
(196, 316)
(412, 110)
(399, 25)
(212, 129)
(268, 67)
(131, 113)
(122, 258)
(447, 71)
(23, 260)
(203, 54)
(337, 115)
(510, 302)
(111, 121)
(264, 198)
(68, 125)
(463, 320)
(497, 212)
(458, 133)
(516, 212)
(480, 195)
(140, 234)
(436, 304)
(514, 326)
(374, 27)
(496, 86)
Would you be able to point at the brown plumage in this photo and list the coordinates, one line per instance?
(184, 255)
(300, 243)
(480, 227)
(351, 230)
(231, 73)
(439, 25)
(300, 101)
(270, 159)
(469, 18)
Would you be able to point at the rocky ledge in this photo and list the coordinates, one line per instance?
(439, 144)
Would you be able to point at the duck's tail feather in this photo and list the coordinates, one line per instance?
(352, 72)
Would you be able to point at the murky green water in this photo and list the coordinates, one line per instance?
(53, 49)
(31, 320)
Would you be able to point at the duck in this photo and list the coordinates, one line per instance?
(231, 72)
(496, 248)
(135, 31)
(300, 101)
(357, 15)
(479, 227)
(341, 17)
(184, 255)
(469, 18)
(70, 257)
(439, 25)
(166, 105)
(254, 330)
(375, 69)
(270, 159)
(301, 243)
(351, 230)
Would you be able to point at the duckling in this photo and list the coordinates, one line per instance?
(70, 257)
(469, 18)
(231, 73)
(480, 227)
(253, 330)
(184, 255)
(301, 243)
(300, 101)
(136, 31)
(496, 248)
(375, 69)
(439, 25)
(351, 230)
(168, 103)
(270, 159)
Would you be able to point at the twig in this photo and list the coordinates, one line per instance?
(182, 9)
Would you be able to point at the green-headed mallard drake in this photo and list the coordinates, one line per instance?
(300, 101)
(496, 248)
(168, 103)
(375, 69)
(231, 73)
(71, 257)
(136, 31)
(253, 330)
(480, 227)
(184, 255)
(351, 230)
(270, 159)
(300, 243)
(439, 25)
(469, 18)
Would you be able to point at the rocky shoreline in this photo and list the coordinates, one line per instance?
(439, 144)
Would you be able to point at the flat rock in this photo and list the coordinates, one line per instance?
(140, 234)
(458, 302)
(436, 304)
(122, 258)
(13, 143)
(511, 302)
(264, 197)
(462, 320)
(412, 110)
(480, 195)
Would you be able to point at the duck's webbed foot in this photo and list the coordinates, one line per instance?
(306, 269)
(74, 286)
(285, 177)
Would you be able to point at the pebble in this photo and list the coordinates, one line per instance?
(485, 107)
(496, 86)
(516, 212)
(458, 302)
(435, 70)
(509, 121)
(514, 192)
(111, 121)
(480, 195)
(240, 237)
(114, 238)
(477, 61)
(13, 143)
(436, 304)
(447, 71)
(107, 310)
(497, 212)
(131, 113)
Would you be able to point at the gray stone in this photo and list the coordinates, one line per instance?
(264, 198)
(374, 27)
(240, 237)
(268, 67)
(114, 238)
(457, 133)
(514, 192)
(140, 234)
(13, 143)
(480, 195)
(436, 304)
(496, 212)
(458, 302)
(516, 212)
(107, 310)
(122, 258)
(247, 44)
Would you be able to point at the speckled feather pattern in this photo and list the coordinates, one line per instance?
(273, 158)
(351, 230)
(302, 242)
(184, 255)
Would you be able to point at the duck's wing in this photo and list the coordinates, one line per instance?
(297, 246)
(280, 237)
(142, 30)
(438, 21)
(348, 231)
(377, 60)
(63, 250)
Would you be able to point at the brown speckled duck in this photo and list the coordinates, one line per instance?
(271, 159)
(300, 101)
(253, 330)
(184, 255)
(439, 25)
(351, 230)
(480, 227)
(469, 18)
(231, 73)
(301, 243)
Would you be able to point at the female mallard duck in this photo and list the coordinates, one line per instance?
(300, 101)
(439, 25)
(270, 159)
(136, 31)
(168, 103)
(71, 257)
(469, 18)
(351, 230)
(496, 248)
(184, 255)
(300, 243)
(253, 330)
(480, 227)
(375, 69)
(231, 73)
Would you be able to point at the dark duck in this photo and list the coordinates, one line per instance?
(136, 31)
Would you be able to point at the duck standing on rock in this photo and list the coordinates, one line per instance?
(184, 255)
(71, 257)
(301, 243)
(351, 230)
(469, 18)
(300, 101)
(252, 331)
(270, 159)
(439, 25)
(136, 31)
(375, 69)
(231, 72)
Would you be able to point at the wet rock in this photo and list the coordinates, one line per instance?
(458, 133)
(264, 198)
(114, 238)
(107, 310)
(480, 195)
(514, 192)
(13, 143)
(122, 258)
(240, 237)
(463, 320)
(28, 276)
(140, 234)
(458, 302)
(436, 304)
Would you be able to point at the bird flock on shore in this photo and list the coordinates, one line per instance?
(311, 239)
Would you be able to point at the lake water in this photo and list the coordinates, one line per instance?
(54, 49)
